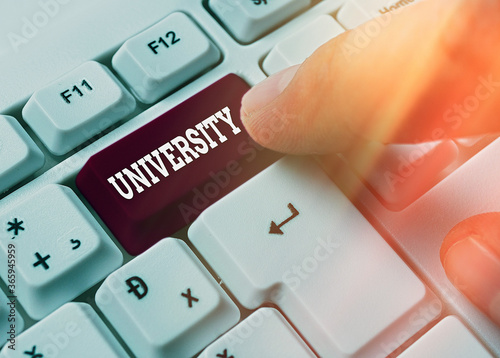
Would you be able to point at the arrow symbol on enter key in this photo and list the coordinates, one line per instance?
(276, 228)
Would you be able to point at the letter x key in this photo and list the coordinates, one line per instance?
(33, 353)
(41, 261)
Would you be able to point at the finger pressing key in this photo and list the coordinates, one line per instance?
(430, 72)
(470, 254)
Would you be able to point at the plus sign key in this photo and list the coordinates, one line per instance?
(58, 247)
(164, 303)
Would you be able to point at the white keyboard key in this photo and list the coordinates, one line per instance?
(294, 49)
(251, 338)
(19, 155)
(448, 339)
(290, 236)
(42, 40)
(165, 303)
(60, 249)
(419, 229)
(247, 20)
(163, 57)
(470, 146)
(77, 106)
(11, 322)
(469, 141)
(74, 330)
(402, 173)
(357, 12)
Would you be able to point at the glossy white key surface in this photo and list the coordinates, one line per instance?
(448, 339)
(247, 20)
(165, 303)
(401, 173)
(73, 331)
(19, 155)
(265, 333)
(11, 322)
(77, 106)
(291, 237)
(60, 249)
(294, 49)
(357, 12)
(469, 190)
(164, 56)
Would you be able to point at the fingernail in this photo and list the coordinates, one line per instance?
(474, 268)
(265, 92)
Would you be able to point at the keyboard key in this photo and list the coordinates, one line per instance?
(402, 173)
(419, 229)
(159, 178)
(289, 236)
(250, 338)
(294, 49)
(60, 249)
(448, 339)
(247, 20)
(469, 141)
(77, 106)
(33, 55)
(11, 322)
(470, 146)
(19, 155)
(357, 12)
(165, 303)
(165, 56)
(74, 330)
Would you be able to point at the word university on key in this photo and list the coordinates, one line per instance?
(159, 178)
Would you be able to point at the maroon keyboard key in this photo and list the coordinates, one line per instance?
(159, 178)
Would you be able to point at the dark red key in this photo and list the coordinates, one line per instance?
(159, 178)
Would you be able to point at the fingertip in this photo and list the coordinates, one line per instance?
(265, 118)
(470, 257)
(265, 92)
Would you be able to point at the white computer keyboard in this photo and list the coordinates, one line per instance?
(97, 259)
